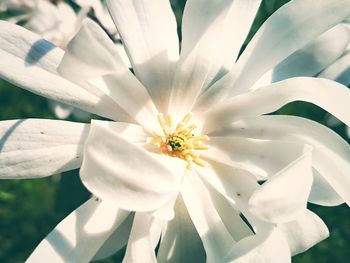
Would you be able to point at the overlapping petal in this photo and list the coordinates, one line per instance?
(30, 62)
(331, 177)
(327, 94)
(210, 46)
(148, 30)
(35, 148)
(78, 237)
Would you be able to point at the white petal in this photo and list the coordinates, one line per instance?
(116, 241)
(148, 30)
(62, 111)
(79, 235)
(32, 148)
(269, 247)
(290, 28)
(216, 239)
(312, 59)
(327, 94)
(125, 174)
(180, 241)
(284, 196)
(327, 145)
(91, 54)
(30, 62)
(143, 239)
(304, 232)
(339, 70)
(213, 33)
(261, 158)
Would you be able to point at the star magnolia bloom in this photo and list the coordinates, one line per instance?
(189, 141)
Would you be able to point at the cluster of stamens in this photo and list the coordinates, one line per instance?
(180, 141)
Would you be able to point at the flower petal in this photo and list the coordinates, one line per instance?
(269, 246)
(32, 148)
(91, 54)
(116, 241)
(213, 33)
(180, 241)
(144, 236)
(339, 70)
(304, 232)
(284, 196)
(290, 28)
(125, 174)
(216, 239)
(312, 59)
(30, 62)
(79, 235)
(331, 177)
(327, 94)
(261, 158)
(149, 32)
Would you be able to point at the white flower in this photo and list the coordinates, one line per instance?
(142, 163)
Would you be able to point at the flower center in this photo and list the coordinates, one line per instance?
(180, 141)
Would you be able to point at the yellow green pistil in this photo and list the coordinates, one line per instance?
(180, 141)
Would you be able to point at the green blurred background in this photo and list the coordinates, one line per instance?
(30, 209)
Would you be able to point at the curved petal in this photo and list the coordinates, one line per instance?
(144, 236)
(290, 28)
(261, 158)
(148, 30)
(91, 54)
(312, 59)
(269, 246)
(180, 241)
(213, 33)
(125, 174)
(304, 232)
(339, 70)
(32, 148)
(284, 196)
(30, 62)
(327, 94)
(216, 239)
(327, 145)
(79, 235)
(116, 241)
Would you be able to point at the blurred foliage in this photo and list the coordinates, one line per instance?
(29, 209)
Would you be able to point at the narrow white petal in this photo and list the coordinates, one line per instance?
(287, 30)
(269, 247)
(32, 148)
(180, 241)
(31, 62)
(216, 239)
(261, 158)
(339, 70)
(312, 59)
(116, 241)
(327, 94)
(80, 234)
(290, 28)
(148, 30)
(304, 232)
(283, 197)
(213, 33)
(125, 174)
(331, 177)
(143, 239)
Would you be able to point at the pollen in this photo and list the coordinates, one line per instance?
(180, 141)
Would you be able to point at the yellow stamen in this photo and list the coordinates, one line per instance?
(180, 142)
